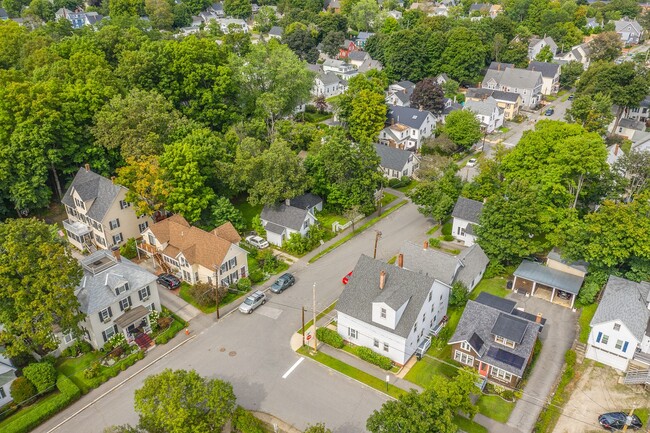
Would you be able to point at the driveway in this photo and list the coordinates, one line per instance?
(557, 337)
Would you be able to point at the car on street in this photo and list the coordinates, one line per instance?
(549, 112)
(252, 301)
(571, 96)
(617, 420)
(257, 241)
(168, 280)
(347, 277)
(282, 283)
(472, 162)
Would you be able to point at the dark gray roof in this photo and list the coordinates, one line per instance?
(3, 14)
(328, 78)
(364, 35)
(626, 301)
(96, 290)
(501, 304)
(274, 228)
(473, 261)
(477, 322)
(479, 7)
(548, 70)
(306, 201)
(408, 116)
(501, 66)
(392, 157)
(406, 84)
(632, 124)
(401, 286)
(358, 56)
(510, 327)
(548, 276)
(91, 186)
(484, 107)
(276, 31)
(285, 216)
(467, 209)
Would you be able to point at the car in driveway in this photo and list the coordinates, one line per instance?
(257, 241)
(283, 282)
(617, 420)
(347, 277)
(168, 280)
(252, 301)
(472, 162)
(549, 112)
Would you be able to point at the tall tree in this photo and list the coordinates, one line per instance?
(38, 278)
(238, 8)
(464, 57)
(606, 46)
(463, 128)
(570, 73)
(148, 189)
(634, 169)
(428, 95)
(437, 193)
(160, 13)
(367, 116)
(363, 15)
(594, 113)
(545, 55)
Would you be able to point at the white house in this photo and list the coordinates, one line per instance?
(640, 113)
(488, 112)
(407, 127)
(528, 84)
(535, 45)
(579, 53)
(342, 69)
(620, 331)
(399, 94)
(232, 24)
(466, 215)
(630, 31)
(7, 376)
(295, 215)
(390, 310)
(396, 163)
(550, 76)
(328, 84)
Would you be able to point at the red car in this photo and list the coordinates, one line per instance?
(347, 277)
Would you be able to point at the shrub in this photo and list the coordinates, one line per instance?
(374, 358)
(164, 322)
(508, 395)
(22, 389)
(447, 228)
(330, 337)
(257, 226)
(494, 269)
(256, 276)
(459, 295)
(116, 340)
(267, 261)
(244, 284)
(434, 242)
(92, 371)
(448, 238)
(42, 375)
(245, 422)
(393, 183)
(22, 360)
(129, 249)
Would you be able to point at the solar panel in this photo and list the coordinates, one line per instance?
(476, 342)
(506, 357)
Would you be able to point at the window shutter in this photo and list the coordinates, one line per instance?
(625, 347)
(149, 291)
(104, 336)
(115, 328)
(129, 298)
(110, 313)
(600, 334)
(121, 306)
(140, 294)
(101, 319)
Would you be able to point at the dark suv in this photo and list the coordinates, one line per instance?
(284, 282)
(170, 281)
(616, 421)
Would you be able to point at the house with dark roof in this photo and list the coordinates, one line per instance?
(194, 254)
(362, 38)
(276, 32)
(550, 76)
(396, 163)
(7, 376)
(528, 84)
(554, 283)
(467, 267)
(620, 328)
(116, 296)
(496, 339)
(295, 215)
(328, 84)
(98, 214)
(509, 102)
(399, 94)
(407, 127)
(466, 215)
(389, 309)
(343, 70)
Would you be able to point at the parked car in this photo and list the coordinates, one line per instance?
(170, 281)
(617, 420)
(282, 283)
(257, 241)
(423, 347)
(549, 112)
(253, 301)
(472, 162)
(571, 96)
(563, 295)
(346, 279)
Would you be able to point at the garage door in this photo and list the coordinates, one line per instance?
(607, 358)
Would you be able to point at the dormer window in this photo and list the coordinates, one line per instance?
(122, 289)
(79, 203)
(617, 326)
(504, 341)
(383, 313)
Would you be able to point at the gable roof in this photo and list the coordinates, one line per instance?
(358, 56)
(501, 304)
(369, 64)
(306, 201)
(548, 70)
(510, 327)
(392, 157)
(479, 7)
(626, 301)
(228, 232)
(621, 25)
(520, 78)
(198, 246)
(411, 117)
(91, 186)
(328, 78)
(276, 31)
(467, 209)
(498, 95)
(484, 107)
(284, 216)
(364, 35)
(549, 41)
(401, 285)
(548, 276)
(3, 14)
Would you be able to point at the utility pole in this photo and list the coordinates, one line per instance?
(216, 288)
(628, 420)
(314, 306)
(377, 237)
(303, 325)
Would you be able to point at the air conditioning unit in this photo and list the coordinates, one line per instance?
(145, 298)
(106, 320)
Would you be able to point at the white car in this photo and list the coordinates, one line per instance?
(253, 301)
(472, 162)
(257, 241)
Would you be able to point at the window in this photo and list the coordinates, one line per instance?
(432, 307)
(617, 326)
(619, 344)
(424, 318)
(386, 348)
(3, 394)
(430, 296)
(144, 293)
(142, 227)
(353, 333)
(463, 358)
(605, 339)
(68, 338)
(122, 289)
(125, 303)
(100, 240)
(105, 314)
(151, 307)
(152, 240)
(383, 313)
(114, 224)
(465, 346)
(117, 238)
(109, 332)
(124, 204)
(415, 327)
(504, 341)
(500, 374)
(375, 343)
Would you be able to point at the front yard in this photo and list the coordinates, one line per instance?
(495, 286)
(586, 314)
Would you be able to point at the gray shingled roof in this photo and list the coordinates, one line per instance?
(478, 321)
(632, 124)
(626, 301)
(359, 56)
(479, 7)
(510, 327)
(276, 31)
(274, 228)
(620, 25)
(91, 186)
(467, 209)
(284, 216)
(95, 292)
(501, 66)
(514, 77)
(401, 285)
(549, 277)
(392, 157)
(328, 78)
(305, 201)
(485, 107)
(548, 70)
(408, 116)
(499, 95)
(474, 260)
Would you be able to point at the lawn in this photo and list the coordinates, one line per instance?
(326, 219)
(186, 295)
(407, 188)
(495, 286)
(423, 372)
(643, 415)
(387, 198)
(586, 314)
(316, 117)
(352, 372)
(248, 212)
(468, 425)
(493, 406)
(74, 369)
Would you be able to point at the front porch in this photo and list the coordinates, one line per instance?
(135, 326)
(79, 234)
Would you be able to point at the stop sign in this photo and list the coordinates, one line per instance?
(308, 337)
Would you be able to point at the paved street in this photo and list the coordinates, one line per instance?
(252, 352)
(512, 137)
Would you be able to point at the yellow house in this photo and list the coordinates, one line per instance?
(510, 102)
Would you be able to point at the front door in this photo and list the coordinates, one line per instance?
(483, 369)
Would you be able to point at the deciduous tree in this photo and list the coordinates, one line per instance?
(144, 178)
(428, 95)
(606, 46)
(570, 73)
(367, 116)
(238, 8)
(463, 128)
(594, 113)
(437, 193)
(464, 57)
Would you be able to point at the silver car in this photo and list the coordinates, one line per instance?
(257, 242)
(252, 301)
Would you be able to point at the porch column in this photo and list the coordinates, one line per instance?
(514, 284)
(534, 287)
(552, 294)
(573, 299)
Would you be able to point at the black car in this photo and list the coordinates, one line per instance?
(170, 281)
(284, 282)
(616, 421)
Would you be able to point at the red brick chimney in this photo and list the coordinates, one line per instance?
(538, 319)
(382, 280)
(87, 166)
(400, 260)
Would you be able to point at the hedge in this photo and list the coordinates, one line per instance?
(330, 337)
(69, 392)
(245, 422)
(374, 358)
(41, 374)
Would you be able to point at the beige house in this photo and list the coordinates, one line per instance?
(98, 214)
(194, 254)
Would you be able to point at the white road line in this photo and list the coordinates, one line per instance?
(293, 367)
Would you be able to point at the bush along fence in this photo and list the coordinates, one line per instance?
(332, 338)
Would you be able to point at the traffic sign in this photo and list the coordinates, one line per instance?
(308, 337)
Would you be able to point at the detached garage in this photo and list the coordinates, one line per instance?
(558, 287)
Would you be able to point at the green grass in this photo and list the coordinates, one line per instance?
(357, 231)
(409, 187)
(493, 406)
(185, 294)
(586, 314)
(643, 415)
(352, 372)
(495, 286)
(74, 369)
(248, 212)
(388, 198)
(468, 425)
(326, 219)
(433, 229)
(504, 130)
(318, 317)
(316, 117)
(423, 372)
